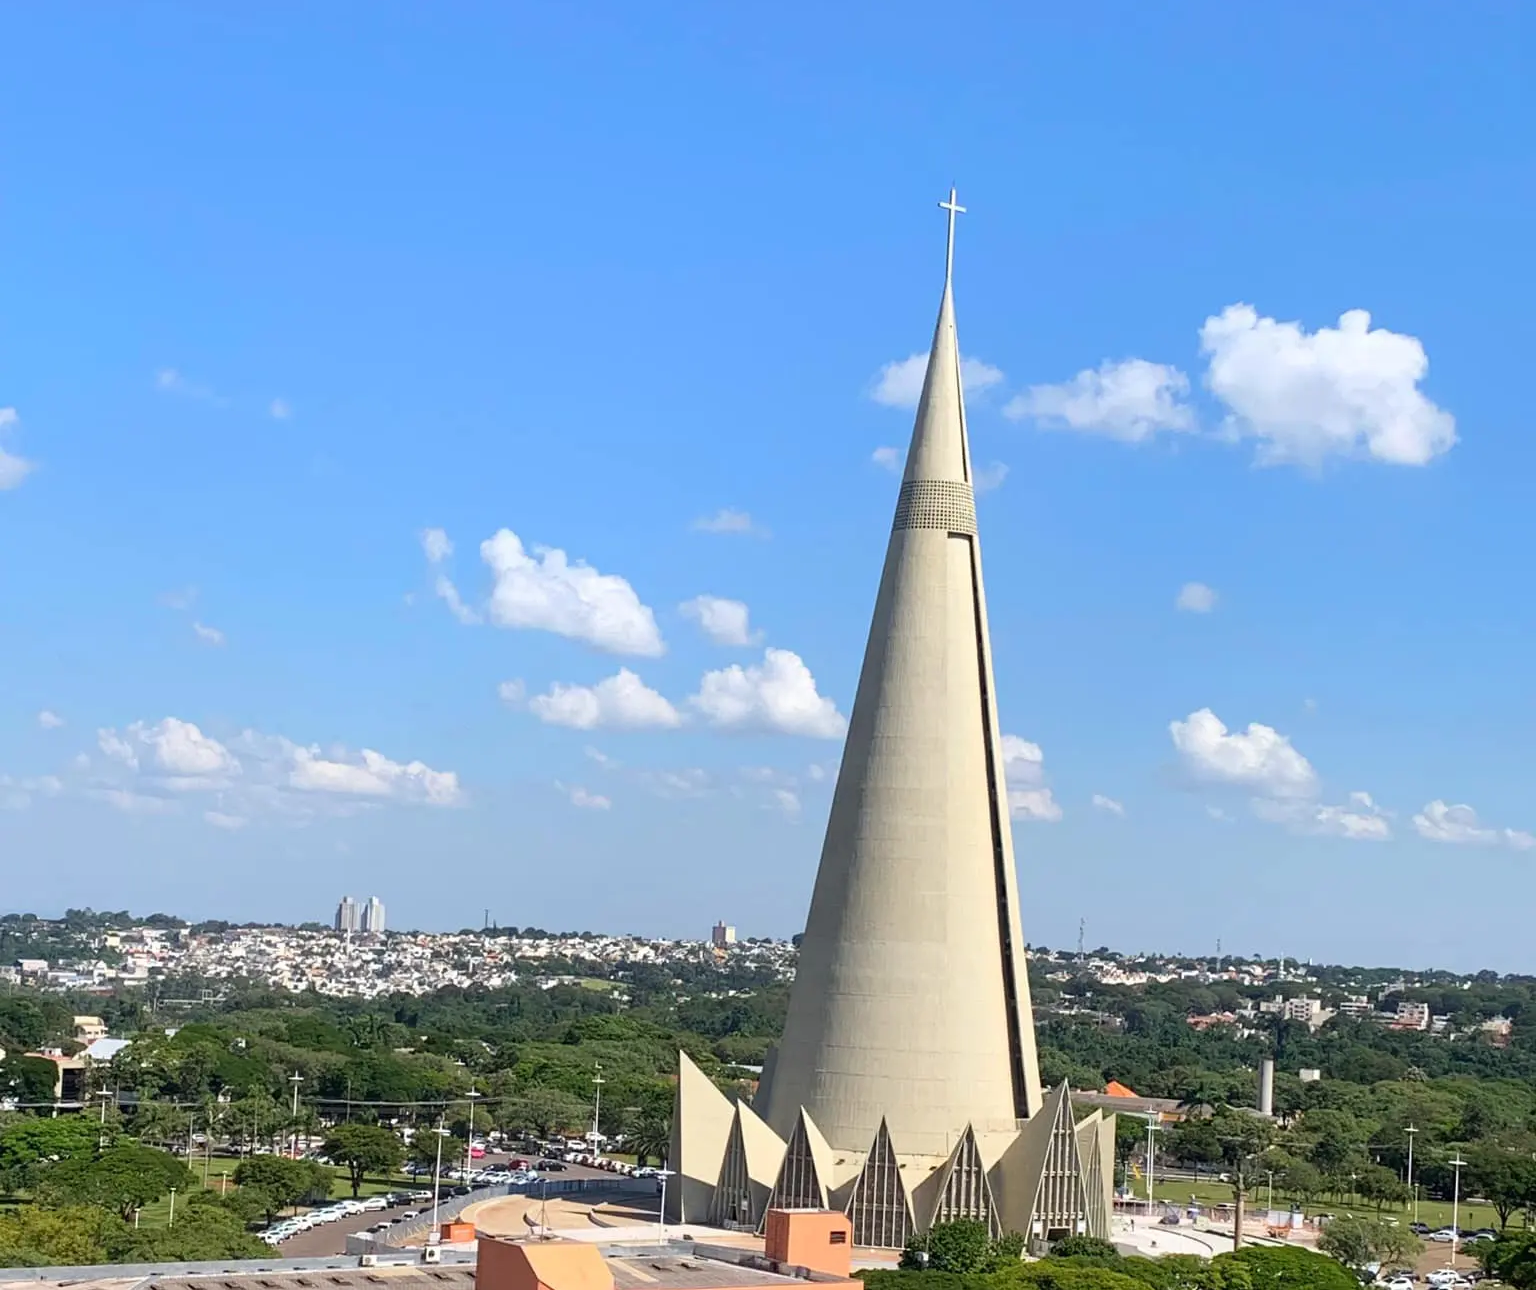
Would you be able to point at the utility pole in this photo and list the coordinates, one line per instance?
(437, 1177)
(1082, 924)
(1411, 1188)
(1458, 1162)
(469, 1145)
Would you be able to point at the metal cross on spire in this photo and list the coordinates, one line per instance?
(954, 208)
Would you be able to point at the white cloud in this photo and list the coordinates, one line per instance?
(435, 544)
(889, 458)
(131, 803)
(580, 797)
(622, 701)
(280, 409)
(989, 477)
(1130, 400)
(779, 695)
(449, 594)
(1196, 598)
(1259, 758)
(1359, 819)
(1024, 776)
(787, 801)
(49, 720)
(512, 692)
(170, 381)
(547, 592)
(183, 598)
(1440, 822)
(181, 756)
(1108, 804)
(220, 820)
(17, 794)
(690, 782)
(371, 774)
(602, 758)
(726, 520)
(13, 469)
(208, 635)
(1345, 390)
(900, 383)
(724, 621)
(1218, 814)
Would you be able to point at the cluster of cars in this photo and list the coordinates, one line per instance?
(1445, 1235)
(1445, 1279)
(289, 1227)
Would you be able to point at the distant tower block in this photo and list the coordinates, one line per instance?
(722, 935)
(373, 916)
(347, 915)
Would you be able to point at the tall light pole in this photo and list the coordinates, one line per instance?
(469, 1145)
(1458, 1162)
(661, 1229)
(437, 1176)
(1411, 1188)
(295, 1079)
(597, 1104)
(103, 1094)
(1270, 1174)
(172, 1221)
(1152, 1127)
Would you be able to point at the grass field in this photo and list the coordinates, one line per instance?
(1437, 1213)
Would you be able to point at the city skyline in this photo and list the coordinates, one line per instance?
(378, 516)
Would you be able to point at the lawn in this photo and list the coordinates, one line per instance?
(1437, 1213)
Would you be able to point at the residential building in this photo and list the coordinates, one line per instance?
(347, 915)
(1357, 1006)
(722, 935)
(88, 1029)
(1411, 1016)
(373, 916)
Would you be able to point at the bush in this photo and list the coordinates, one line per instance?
(1286, 1268)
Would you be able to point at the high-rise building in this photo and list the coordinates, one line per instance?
(722, 935)
(373, 916)
(905, 1089)
(347, 915)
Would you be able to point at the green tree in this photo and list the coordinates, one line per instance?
(964, 1246)
(31, 1236)
(122, 1179)
(1360, 1242)
(282, 1181)
(1085, 1247)
(1511, 1259)
(544, 1110)
(33, 1144)
(28, 1079)
(1507, 1180)
(363, 1149)
(1286, 1268)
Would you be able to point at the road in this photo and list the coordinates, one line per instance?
(331, 1238)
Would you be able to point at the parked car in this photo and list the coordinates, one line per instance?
(1398, 1283)
(407, 1215)
(1419, 1229)
(551, 1166)
(375, 1203)
(1445, 1235)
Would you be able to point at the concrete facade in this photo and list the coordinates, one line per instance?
(905, 1090)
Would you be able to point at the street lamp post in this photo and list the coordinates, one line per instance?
(437, 1177)
(1458, 1162)
(103, 1094)
(295, 1079)
(1411, 1188)
(1270, 1174)
(469, 1146)
(597, 1105)
(172, 1221)
(661, 1234)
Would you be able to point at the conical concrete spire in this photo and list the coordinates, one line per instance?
(912, 1002)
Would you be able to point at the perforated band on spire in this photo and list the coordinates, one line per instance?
(936, 504)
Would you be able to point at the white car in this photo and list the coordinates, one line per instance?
(1445, 1235)
(1398, 1283)
(375, 1203)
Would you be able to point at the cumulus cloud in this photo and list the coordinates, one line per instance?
(1260, 758)
(1196, 598)
(208, 635)
(1024, 774)
(989, 477)
(1130, 400)
(1358, 819)
(449, 595)
(587, 801)
(622, 701)
(778, 695)
(371, 774)
(546, 591)
(170, 381)
(280, 409)
(787, 801)
(222, 820)
(1108, 804)
(889, 458)
(724, 621)
(13, 469)
(16, 793)
(49, 720)
(131, 803)
(900, 383)
(253, 772)
(436, 545)
(1339, 391)
(727, 520)
(1459, 825)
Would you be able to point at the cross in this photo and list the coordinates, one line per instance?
(954, 208)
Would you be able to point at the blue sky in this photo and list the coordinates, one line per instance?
(288, 289)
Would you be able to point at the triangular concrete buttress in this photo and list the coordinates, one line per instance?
(701, 1124)
(805, 1172)
(753, 1156)
(878, 1206)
